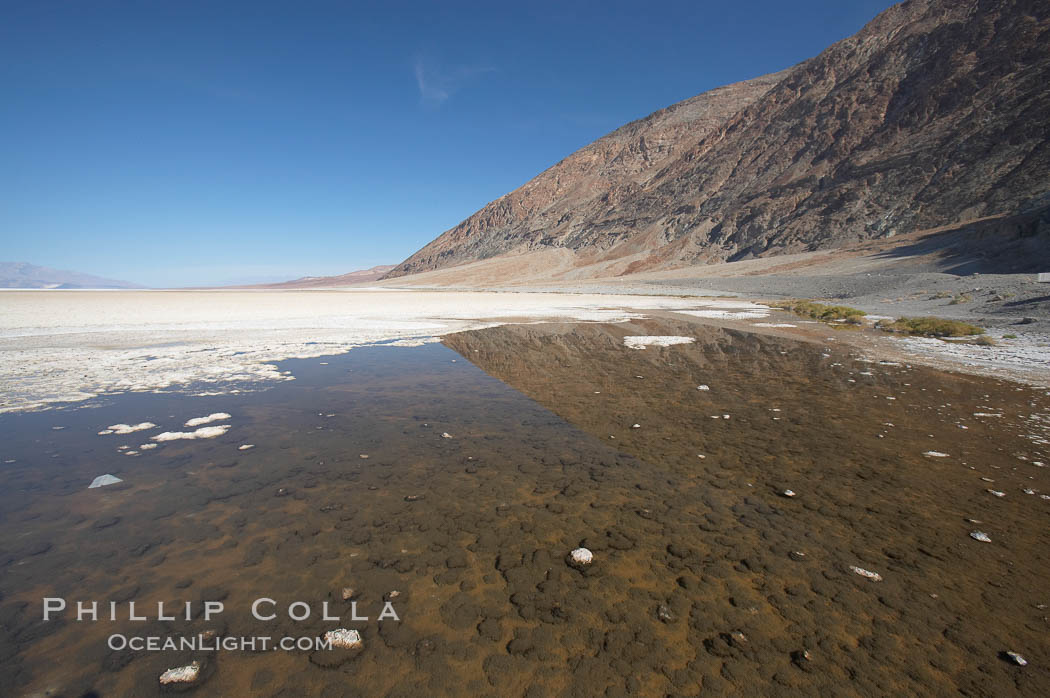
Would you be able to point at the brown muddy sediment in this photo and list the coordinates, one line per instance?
(847, 435)
(693, 589)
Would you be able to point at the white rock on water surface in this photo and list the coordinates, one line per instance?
(446, 435)
(245, 447)
(182, 674)
(126, 428)
(703, 387)
(1017, 659)
(202, 433)
(343, 638)
(214, 417)
(981, 536)
(581, 556)
(103, 480)
(873, 576)
(935, 454)
(788, 493)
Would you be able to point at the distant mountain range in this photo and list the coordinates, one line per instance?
(360, 276)
(935, 113)
(23, 275)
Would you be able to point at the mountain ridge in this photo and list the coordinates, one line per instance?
(934, 113)
(31, 276)
(358, 276)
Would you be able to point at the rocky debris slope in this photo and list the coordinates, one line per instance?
(935, 113)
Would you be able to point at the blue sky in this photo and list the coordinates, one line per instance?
(183, 143)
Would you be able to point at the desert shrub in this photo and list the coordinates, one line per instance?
(931, 327)
(824, 313)
(985, 341)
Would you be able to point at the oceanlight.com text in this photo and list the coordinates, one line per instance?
(211, 643)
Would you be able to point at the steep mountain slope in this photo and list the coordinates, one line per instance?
(348, 279)
(936, 112)
(585, 186)
(23, 275)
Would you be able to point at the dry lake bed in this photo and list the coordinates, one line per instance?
(764, 514)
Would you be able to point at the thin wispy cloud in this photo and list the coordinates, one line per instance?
(438, 83)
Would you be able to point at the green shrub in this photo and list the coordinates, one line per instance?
(961, 298)
(931, 327)
(1009, 336)
(824, 313)
(985, 341)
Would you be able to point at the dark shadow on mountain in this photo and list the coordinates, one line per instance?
(1018, 244)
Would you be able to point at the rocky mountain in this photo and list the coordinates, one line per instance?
(935, 113)
(23, 275)
(360, 276)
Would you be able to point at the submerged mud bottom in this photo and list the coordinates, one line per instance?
(410, 470)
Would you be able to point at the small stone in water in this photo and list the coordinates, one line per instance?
(873, 576)
(797, 555)
(581, 556)
(103, 480)
(702, 387)
(1017, 659)
(343, 638)
(636, 426)
(935, 454)
(997, 493)
(788, 493)
(446, 435)
(348, 593)
(981, 536)
(182, 674)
